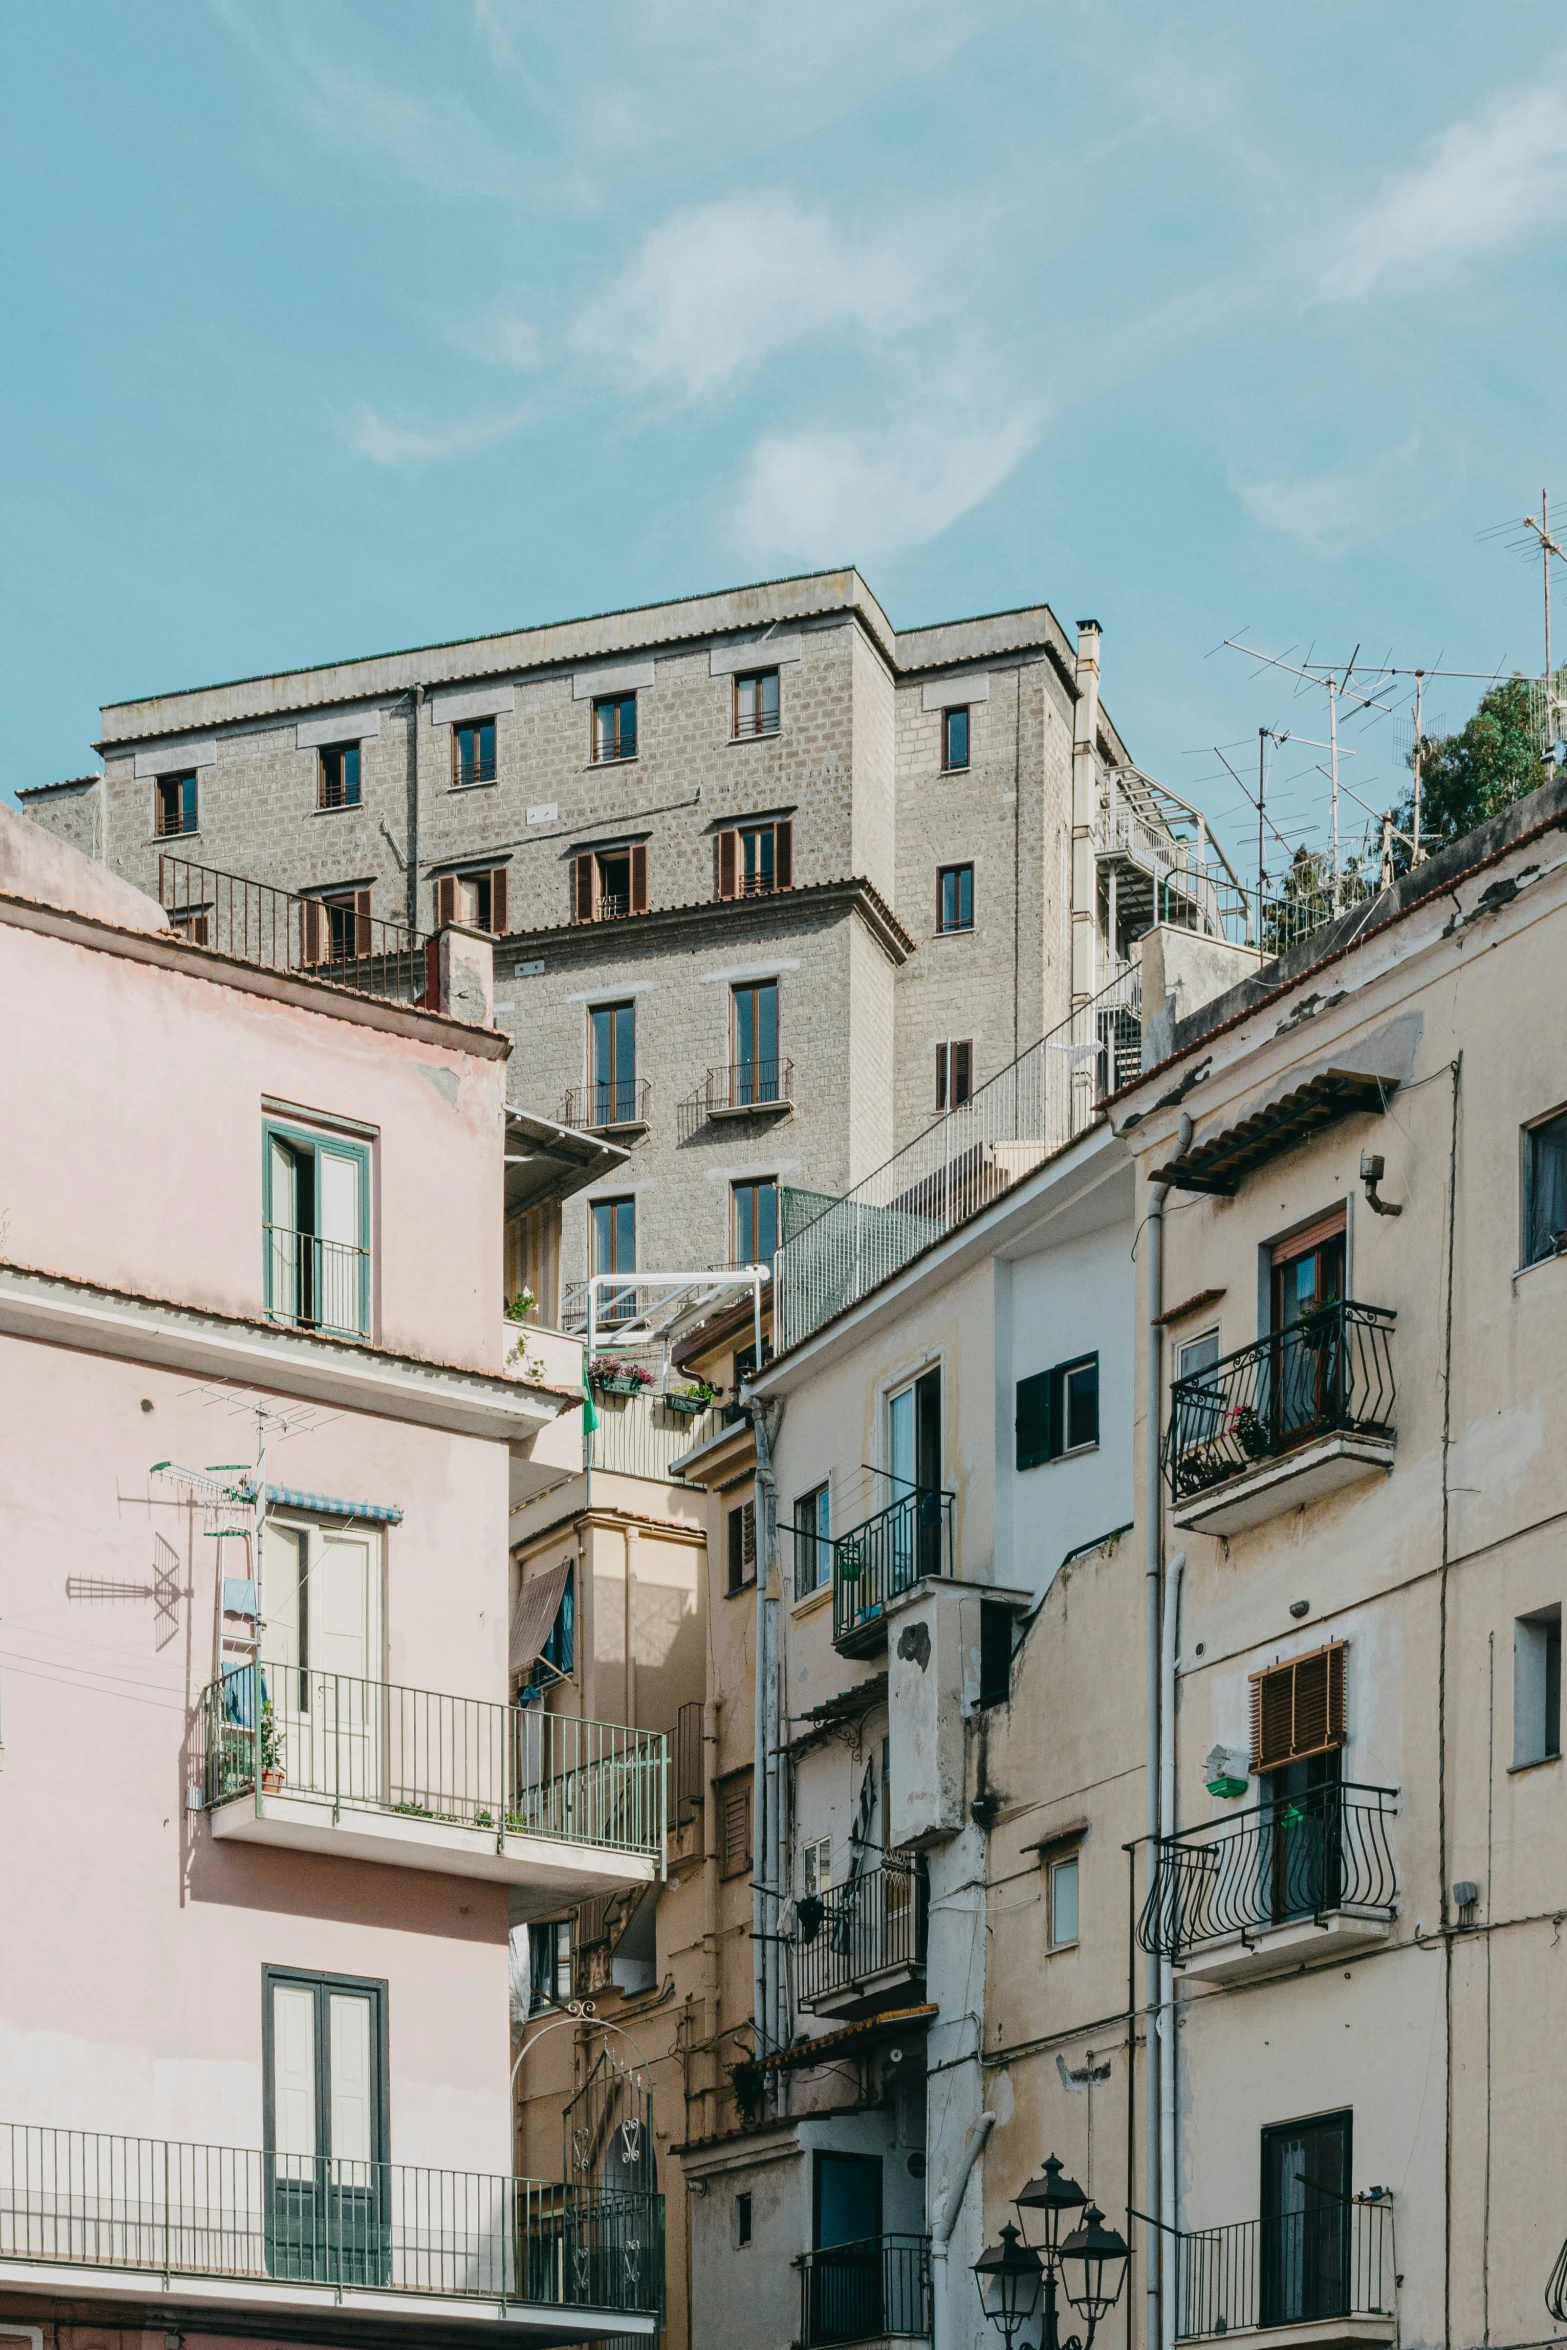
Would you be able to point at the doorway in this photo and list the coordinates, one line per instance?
(1308, 1340)
(846, 2299)
(1305, 2272)
(325, 2128)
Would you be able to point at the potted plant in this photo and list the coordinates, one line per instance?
(272, 1773)
(522, 1305)
(696, 1397)
(612, 1376)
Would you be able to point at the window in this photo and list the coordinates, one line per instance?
(1537, 1687)
(1545, 1189)
(812, 1541)
(175, 805)
(549, 1965)
(756, 703)
(913, 1478)
(325, 2127)
(754, 860)
(755, 1068)
(955, 898)
(473, 752)
(612, 1030)
(995, 1652)
(615, 727)
(1063, 1901)
(954, 1073)
(742, 1545)
(1057, 1411)
(1197, 1407)
(734, 1841)
(816, 1867)
(337, 776)
(742, 2220)
(320, 1648)
(1305, 2231)
(194, 924)
(755, 1233)
(954, 739)
(477, 900)
(1298, 1709)
(615, 1251)
(609, 882)
(335, 928)
(316, 1231)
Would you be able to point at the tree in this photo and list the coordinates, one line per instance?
(1468, 776)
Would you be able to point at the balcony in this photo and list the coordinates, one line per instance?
(750, 1089)
(560, 1808)
(859, 1946)
(227, 2229)
(877, 2290)
(315, 938)
(316, 1284)
(888, 1554)
(610, 1107)
(1304, 1878)
(1325, 2274)
(1298, 1414)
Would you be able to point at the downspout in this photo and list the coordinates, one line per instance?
(1169, 2053)
(417, 703)
(945, 2220)
(765, 1766)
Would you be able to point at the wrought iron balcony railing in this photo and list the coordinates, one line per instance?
(1330, 1373)
(877, 2288)
(750, 1085)
(316, 1284)
(873, 1562)
(617, 1101)
(370, 1747)
(871, 1926)
(1300, 1857)
(88, 2199)
(1331, 2261)
(316, 937)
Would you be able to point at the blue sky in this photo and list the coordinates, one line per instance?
(356, 324)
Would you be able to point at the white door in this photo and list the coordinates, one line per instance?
(282, 1234)
(284, 1616)
(294, 2080)
(341, 1636)
(338, 1177)
(352, 2088)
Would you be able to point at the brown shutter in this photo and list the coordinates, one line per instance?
(962, 1072)
(639, 878)
(310, 930)
(1300, 1244)
(736, 1842)
(362, 936)
(445, 900)
(498, 901)
(583, 888)
(728, 860)
(1298, 1709)
(783, 856)
(941, 1076)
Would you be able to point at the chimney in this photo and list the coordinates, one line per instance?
(461, 975)
(1085, 878)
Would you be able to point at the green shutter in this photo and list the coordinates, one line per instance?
(1034, 1421)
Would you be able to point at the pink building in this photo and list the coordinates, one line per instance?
(266, 1815)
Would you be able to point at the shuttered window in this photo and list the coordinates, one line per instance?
(477, 900)
(954, 1073)
(742, 1545)
(335, 929)
(755, 860)
(609, 882)
(1298, 1709)
(734, 1843)
(1057, 1411)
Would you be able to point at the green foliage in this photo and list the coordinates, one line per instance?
(1468, 776)
(748, 2082)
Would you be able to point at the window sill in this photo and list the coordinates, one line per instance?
(1557, 1258)
(813, 1602)
(770, 736)
(965, 769)
(1074, 1452)
(1062, 1949)
(619, 759)
(479, 783)
(741, 1590)
(1541, 1762)
(166, 840)
(958, 930)
(342, 808)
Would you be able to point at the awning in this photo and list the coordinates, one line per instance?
(891, 2025)
(321, 1505)
(1221, 1163)
(534, 1621)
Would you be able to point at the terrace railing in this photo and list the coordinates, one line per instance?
(616, 1101)
(877, 2288)
(316, 1284)
(278, 930)
(871, 1926)
(1299, 1857)
(833, 1251)
(1333, 2260)
(643, 1435)
(876, 1560)
(1331, 1372)
(750, 1085)
(369, 1746)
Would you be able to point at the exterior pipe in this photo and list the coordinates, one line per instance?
(1169, 2054)
(944, 2221)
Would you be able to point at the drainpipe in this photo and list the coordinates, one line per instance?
(1169, 2054)
(417, 712)
(764, 1798)
(944, 2221)
(1085, 874)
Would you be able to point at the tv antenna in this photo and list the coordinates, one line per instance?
(1540, 526)
(1338, 688)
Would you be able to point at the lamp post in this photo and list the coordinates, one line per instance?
(1089, 2260)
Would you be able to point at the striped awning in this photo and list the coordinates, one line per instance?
(322, 1505)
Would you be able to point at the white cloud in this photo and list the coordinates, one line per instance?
(384, 443)
(824, 496)
(1487, 180)
(1331, 513)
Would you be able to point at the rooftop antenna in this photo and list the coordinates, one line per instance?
(1541, 528)
(1337, 688)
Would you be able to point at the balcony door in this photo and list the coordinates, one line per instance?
(328, 2208)
(1302, 1839)
(1308, 1274)
(755, 1043)
(1305, 2268)
(614, 1029)
(846, 2238)
(914, 1465)
(320, 1649)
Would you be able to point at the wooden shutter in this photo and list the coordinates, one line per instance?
(310, 930)
(583, 887)
(498, 902)
(941, 1076)
(735, 1842)
(445, 900)
(1298, 1709)
(639, 878)
(1033, 1421)
(962, 1072)
(728, 862)
(362, 936)
(742, 1545)
(783, 856)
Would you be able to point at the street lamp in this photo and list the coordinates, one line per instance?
(1090, 2261)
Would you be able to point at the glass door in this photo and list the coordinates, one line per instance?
(755, 1045)
(1305, 2220)
(846, 2239)
(327, 2215)
(1302, 1841)
(1308, 1343)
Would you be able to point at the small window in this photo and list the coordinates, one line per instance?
(954, 739)
(1537, 1687)
(954, 1073)
(812, 1541)
(756, 704)
(608, 883)
(755, 1228)
(612, 1030)
(477, 900)
(734, 1842)
(337, 776)
(955, 898)
(755, 860)
(614, 727)
(1063, 1902)
(1298, 1709)
(1057, 1412)
(194, 924)
(316, 1231)
(816, 1867)
(1545, 1189)
(995, 1652)
(742, 1546)
(614, 1223)
(473, 753)
(175, 805)
(742, 2221)
(549, 1965)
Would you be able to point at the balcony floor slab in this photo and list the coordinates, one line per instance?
(1285, 1483)
(550, 1869)
(1279, 1949)
(1312, 2333)
(850, 2002)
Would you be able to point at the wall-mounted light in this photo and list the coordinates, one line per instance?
(1372, 1169)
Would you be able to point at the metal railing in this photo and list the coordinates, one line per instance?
(1331, 2261)
(618, 1101)
(866, 1928)
(1300, 1856)
(1331, 1372)
(89, 2199)
(874, 1561)
(277, 930)
(749, 724)
(316, 1284)
(750, 1085)
(466, 771)
(869, 2290)
(833, 1252)
(643, 1435)
(369, 1746)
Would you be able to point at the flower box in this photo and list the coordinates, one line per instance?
(617, 1383)
(689, 1400)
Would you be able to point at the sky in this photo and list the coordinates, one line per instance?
(337, 327)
